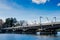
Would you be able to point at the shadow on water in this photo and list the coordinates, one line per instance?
(30, 33)
(55, 35)
(29, 36)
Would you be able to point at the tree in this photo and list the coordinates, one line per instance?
(14, 20)
(10, 22)
(23, 22)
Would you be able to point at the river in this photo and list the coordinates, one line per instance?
(29, 37)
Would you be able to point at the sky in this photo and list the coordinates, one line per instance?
(30, 10)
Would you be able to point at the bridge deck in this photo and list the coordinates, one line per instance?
(44, 25)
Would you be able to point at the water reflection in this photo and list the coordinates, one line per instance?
(29, 37)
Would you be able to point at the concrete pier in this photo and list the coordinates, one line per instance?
(47, 32)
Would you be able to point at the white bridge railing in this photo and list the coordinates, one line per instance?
(33, 25)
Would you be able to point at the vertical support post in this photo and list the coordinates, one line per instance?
(35, 21)
(40, 21)
(47, 19)
(55, 19)
(52, 23)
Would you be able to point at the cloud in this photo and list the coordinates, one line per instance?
(40, 1)
(58, 4)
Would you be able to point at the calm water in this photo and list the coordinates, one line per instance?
(29, 37)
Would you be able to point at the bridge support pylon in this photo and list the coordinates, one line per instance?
(30, 31)
(48, 32)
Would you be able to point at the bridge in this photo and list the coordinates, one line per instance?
(42, 28)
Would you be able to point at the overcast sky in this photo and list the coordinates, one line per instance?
(30, 10)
